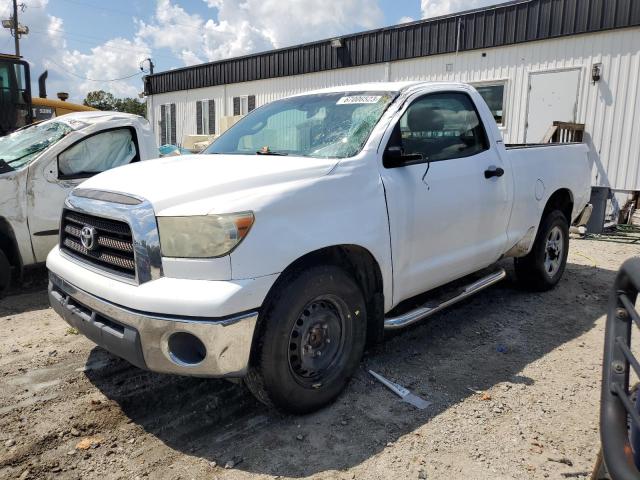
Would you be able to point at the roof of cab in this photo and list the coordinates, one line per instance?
(379, 87)
(81, 120)
(97, 116)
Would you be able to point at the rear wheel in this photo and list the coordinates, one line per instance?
(5, 273)
(543, 267)
(312, 339)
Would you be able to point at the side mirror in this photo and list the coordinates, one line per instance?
(394, 157)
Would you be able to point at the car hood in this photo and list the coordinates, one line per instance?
(170, 182)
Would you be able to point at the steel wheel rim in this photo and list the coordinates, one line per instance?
(553, 251)
(317, 340)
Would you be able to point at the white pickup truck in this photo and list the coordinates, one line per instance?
(39, 166)
(306, 230)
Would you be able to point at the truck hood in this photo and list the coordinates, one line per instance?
(169, 182)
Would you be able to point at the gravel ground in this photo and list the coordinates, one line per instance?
(68, 409)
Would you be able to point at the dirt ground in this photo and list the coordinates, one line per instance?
(535, 358)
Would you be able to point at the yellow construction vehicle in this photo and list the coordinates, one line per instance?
(17, 107)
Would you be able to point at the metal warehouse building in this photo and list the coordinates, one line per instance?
(535, 62)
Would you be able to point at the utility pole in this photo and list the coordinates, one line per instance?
(16, 36)
(14, 26)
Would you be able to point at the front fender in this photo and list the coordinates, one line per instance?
(345, 207)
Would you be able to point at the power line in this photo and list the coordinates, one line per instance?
(139, 50)
(100, 7)
(128, 14)
(116, 11)
(65, 32)
(95, 79)
(47, 32)
(6, 43)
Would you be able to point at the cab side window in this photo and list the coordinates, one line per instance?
(441, 126)
(97, 153)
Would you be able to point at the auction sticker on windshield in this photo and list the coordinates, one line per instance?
(358, 99)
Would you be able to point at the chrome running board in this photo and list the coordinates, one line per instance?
(426, 310)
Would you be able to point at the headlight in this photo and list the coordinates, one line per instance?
(203, 236)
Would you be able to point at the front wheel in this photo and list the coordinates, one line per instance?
(542, 268)
(311, 341)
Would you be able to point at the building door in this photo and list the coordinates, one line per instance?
(553, 97)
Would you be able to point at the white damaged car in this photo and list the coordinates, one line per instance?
(39, 166)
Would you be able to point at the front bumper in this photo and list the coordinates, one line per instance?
(207, 347)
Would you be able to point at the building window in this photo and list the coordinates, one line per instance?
(244, 104)
(205, 117)
(168, 124)
(493, 94)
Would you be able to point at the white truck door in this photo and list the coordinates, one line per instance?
(448, 212)
(553, 96)
(45, 197)
(52, 178)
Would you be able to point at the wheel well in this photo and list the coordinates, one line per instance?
(8, 244)
(364, 268)
(560, 200)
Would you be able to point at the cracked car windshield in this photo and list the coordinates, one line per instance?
(328, 125)
(19, 148)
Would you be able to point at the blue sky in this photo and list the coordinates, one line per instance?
(114, 18)
(87, 44)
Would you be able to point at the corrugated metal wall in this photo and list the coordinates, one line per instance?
(610, 108)
(497, 25)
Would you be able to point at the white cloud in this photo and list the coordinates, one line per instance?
(114, 59)
(247, 26)
(190, 58)
(46, 48)
(225, 39)
(406, 19)
(294, 21)
(434, 8)
(230, 28)
(46, 37)
(174, 28)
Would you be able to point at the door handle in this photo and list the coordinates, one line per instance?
(493, 172)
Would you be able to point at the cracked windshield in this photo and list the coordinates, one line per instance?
(329, 125)
(21, 147)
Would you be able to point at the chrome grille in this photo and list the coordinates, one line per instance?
(113, 243)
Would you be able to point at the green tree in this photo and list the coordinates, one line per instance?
(106, 101)
(131, 105)
(100, 99)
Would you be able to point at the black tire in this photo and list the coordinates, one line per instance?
(5, 273)
(542, 268)
(295, 368)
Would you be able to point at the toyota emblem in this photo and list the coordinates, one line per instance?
(88, 237)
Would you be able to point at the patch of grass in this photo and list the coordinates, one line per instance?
(72, 331)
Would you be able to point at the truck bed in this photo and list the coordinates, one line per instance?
(514, 146)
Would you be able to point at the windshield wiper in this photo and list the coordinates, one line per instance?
(17, 159)
(271, 152)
